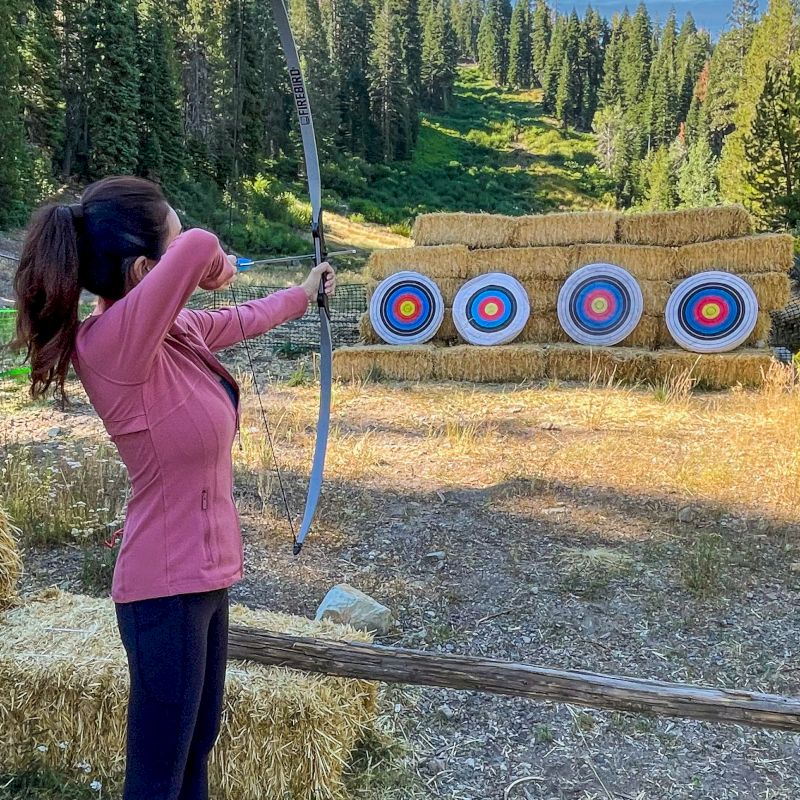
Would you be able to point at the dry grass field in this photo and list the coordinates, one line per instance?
(647, 531)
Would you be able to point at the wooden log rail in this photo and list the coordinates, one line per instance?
(398, 665)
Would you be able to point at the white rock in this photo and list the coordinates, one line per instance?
(349, 606)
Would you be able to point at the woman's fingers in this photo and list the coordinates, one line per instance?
(330, 276)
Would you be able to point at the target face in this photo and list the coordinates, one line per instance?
(712, 312)
(406, 308)
(600, 304)
(491, 309)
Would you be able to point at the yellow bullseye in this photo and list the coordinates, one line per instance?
(599, 305)
(710, 311)
(407, 308)
(491, 309)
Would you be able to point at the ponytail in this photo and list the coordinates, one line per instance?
(90, 245)
(48, 294)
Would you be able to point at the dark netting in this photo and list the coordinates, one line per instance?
(785, 331)
(301, 335)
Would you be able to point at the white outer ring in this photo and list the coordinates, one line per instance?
(725, 343)
(385, 286)
(507, 334)
(598, 270)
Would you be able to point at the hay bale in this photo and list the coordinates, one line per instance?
(671, 228)
(435, 262)
(566, 228)
(643, 262)
(10, 561)
(473, 230)
(523, 263)
(511, 362)
(715, 370)
(573, 362)
(379, 361)
(284, 733)
(751, 254)
(772, 289)
(526, 361)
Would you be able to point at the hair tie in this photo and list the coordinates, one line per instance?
(76, 210)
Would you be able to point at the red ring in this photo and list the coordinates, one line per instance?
(402, 299)
(589, 311)
(724, 311)
(483, 314)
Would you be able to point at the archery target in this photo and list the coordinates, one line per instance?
(406, 308)
(712, 312)
(600, 304)
(491, 309)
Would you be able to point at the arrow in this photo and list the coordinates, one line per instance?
(243, 264)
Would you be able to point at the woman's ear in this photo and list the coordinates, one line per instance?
(138, 270)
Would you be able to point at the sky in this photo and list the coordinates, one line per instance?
(709, 14)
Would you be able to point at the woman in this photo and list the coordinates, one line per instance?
(171, 408)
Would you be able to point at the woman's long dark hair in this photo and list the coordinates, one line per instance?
(90, 245)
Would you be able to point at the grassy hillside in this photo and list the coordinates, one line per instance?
(493, 151)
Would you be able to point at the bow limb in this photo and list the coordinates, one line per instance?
(298, 87)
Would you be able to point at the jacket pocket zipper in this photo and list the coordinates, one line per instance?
(207, 532)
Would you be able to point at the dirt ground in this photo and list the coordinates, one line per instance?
(607, 529)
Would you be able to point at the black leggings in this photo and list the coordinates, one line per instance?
(177, 649)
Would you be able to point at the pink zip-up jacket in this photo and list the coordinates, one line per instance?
(148, 367)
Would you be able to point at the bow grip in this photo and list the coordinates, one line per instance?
(321, 253)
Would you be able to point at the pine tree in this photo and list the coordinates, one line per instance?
(541, 31)
(467, 22)
(697, 179)
(554, 64)
(659, 181)
(350, 31)
(519, 47)
(407, 19)
(773, 149)
(692, 50)
(697, 121)
(388, 90)
(12, 152)
(594, 31)
(439, 52)
(617, 150)
(635, 62)
(113, 88)
(42, 95)
(611, 91)
(161, 150)
(772, 42)
(564, 100)
(318, 70)
(493, 41)
(662, 118)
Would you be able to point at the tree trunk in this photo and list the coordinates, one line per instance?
(396, 665)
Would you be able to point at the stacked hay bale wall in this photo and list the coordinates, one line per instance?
(569, 362)
(64, 680)
(660, 250)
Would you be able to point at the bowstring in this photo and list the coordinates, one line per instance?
(231, 189)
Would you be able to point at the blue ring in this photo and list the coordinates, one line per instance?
(407, 328)
(730, 323)
(503, 321)
(614, 321)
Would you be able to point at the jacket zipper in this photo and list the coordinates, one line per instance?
(207, 532)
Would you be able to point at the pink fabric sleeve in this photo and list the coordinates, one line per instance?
(126, 338)
(221, 328)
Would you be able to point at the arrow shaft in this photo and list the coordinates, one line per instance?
(288, 259)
